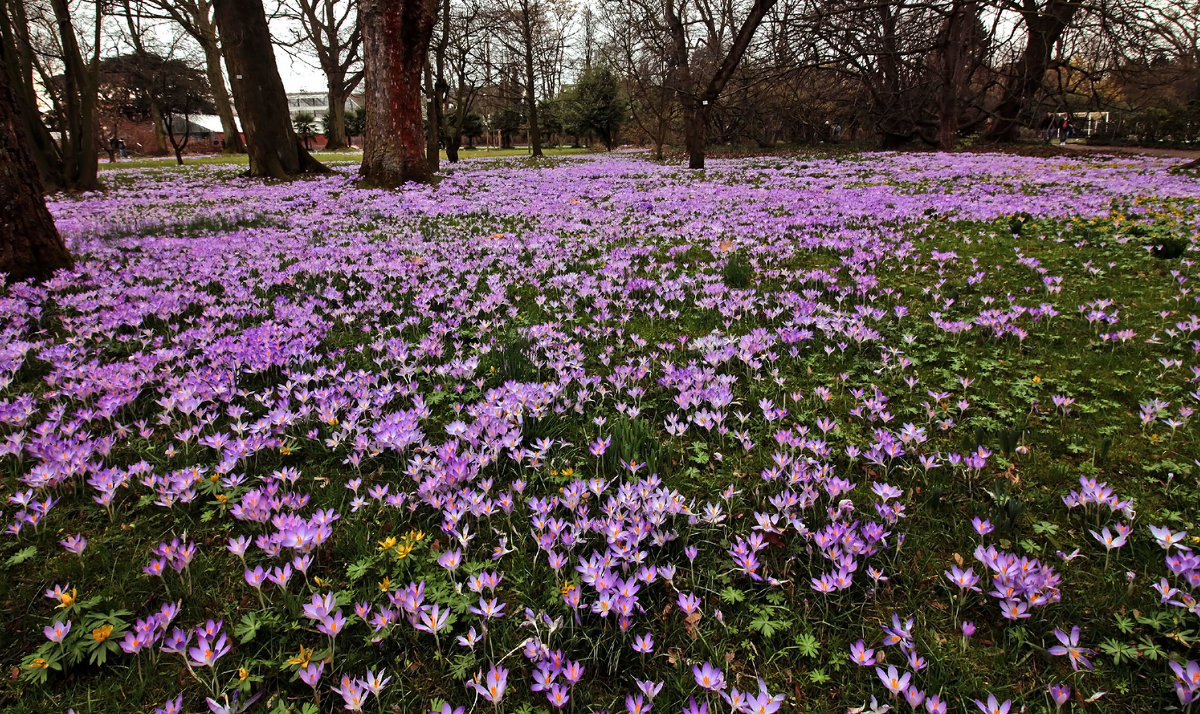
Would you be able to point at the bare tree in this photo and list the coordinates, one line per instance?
(274, 149)
(1044, 22)
(695, 92)
(329, 30)
(465, 49)
(64, 67)
(956, 60)
(534, 31)
(436, 87)
(643, 57)
(196, 19)
(136, 25)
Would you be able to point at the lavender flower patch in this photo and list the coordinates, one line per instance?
(891, 432)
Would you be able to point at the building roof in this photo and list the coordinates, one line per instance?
(211, 122)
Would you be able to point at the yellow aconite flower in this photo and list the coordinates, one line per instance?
(568, 472)
(403, 550)
(222, 498)
(285, 451)
(301, 660)
(385, 584)
(1037, 379)
(39, 663)
(320, 582)
(214, 478)
(416, 536)
(243, 673)
(101, 633)
(387, 543)
(67, 599)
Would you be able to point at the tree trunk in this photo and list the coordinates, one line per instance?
(18, 63)
(695, 126)
(694, 102)
(956, 61)
(79, 150)
(30, 246)
(396, 35)
(535, 133)
(335, 120)
(216, 80)
(274, 149)
(1043, 30)
(160, 134)
(433, 112)
(436, 88)
(454, 135)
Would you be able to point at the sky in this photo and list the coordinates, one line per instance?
(298, 76)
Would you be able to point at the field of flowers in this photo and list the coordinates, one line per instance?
(793, 434)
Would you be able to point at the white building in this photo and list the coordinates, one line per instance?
(317, 104)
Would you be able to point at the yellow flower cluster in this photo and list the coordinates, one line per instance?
(302, 659)
(402, 547)
(102, 633)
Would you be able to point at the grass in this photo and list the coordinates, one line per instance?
(326, 157)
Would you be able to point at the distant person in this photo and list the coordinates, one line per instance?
(121, 150)
(1050, 127)
(1064, 130)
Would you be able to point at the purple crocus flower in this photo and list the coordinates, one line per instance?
(74, 544)
(558, 695)
(311, 674)
(354, 694)
(964, 579)
(1060, 693)
(709, 677)
(861, 655)
(173, 706)
(893, 679)
(57, 631)
(491, 689)
(1189, 675)
(636, 704)
(256, 577)
(207, 651)
(914, 696)
(764, 702)
(688, 602)
(1070, 647)
(333, 624)
(992, 706)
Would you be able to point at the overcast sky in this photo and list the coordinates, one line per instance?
(298, 76)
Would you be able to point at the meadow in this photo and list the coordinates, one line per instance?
(798, 434)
